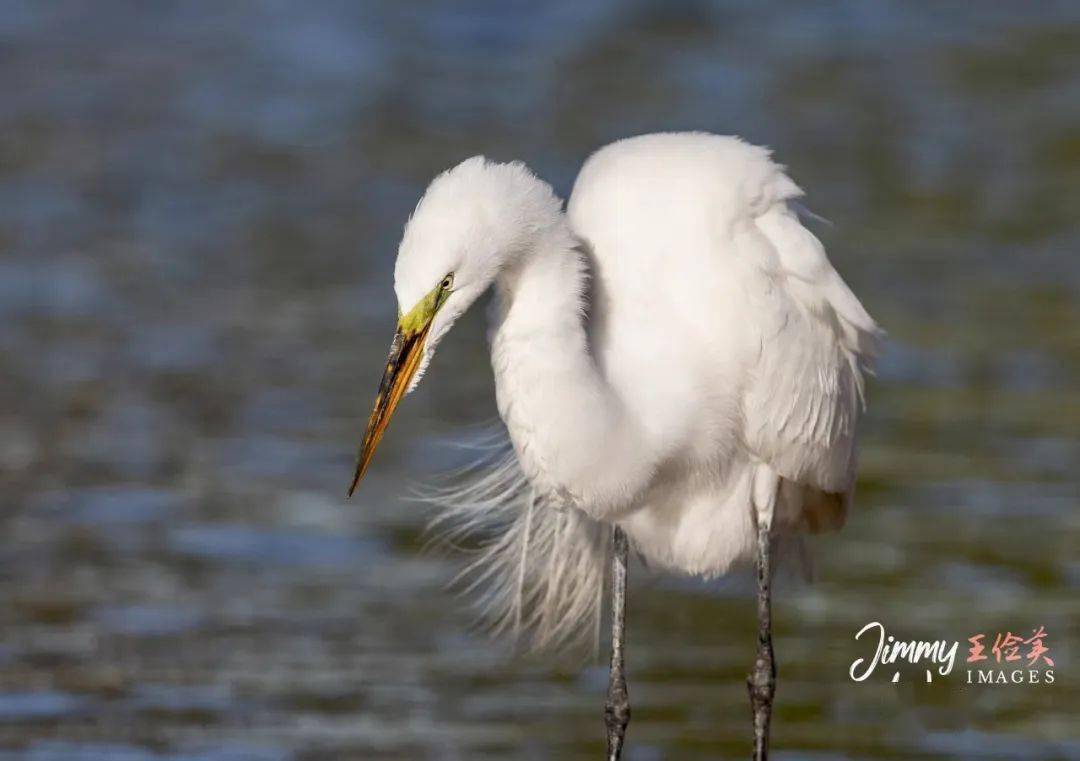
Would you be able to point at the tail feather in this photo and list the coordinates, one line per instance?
(537, 567)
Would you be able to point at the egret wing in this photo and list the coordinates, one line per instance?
(817, 344)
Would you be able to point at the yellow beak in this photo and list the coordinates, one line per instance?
(402, 364)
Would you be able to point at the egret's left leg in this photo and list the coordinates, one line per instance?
(617, 706)
(762, 680)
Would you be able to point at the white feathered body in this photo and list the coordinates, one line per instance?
(719, 320)
(716, 324)
(672, 343)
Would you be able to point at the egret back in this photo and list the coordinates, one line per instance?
(722, 325)
(717, 315)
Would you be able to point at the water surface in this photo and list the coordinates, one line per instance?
(199, 209)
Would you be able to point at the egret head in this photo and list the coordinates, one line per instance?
(473, 221)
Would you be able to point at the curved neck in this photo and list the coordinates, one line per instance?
(569, 428)
(542, 292)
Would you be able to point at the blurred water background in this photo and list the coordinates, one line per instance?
(199, 210)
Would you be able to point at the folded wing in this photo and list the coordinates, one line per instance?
(817, 345)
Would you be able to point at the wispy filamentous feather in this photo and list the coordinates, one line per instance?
(537, 567)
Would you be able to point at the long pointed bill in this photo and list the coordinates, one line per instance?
(405, 354)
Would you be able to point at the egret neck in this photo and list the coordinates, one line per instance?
(568, 426)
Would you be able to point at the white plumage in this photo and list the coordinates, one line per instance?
(672, 353)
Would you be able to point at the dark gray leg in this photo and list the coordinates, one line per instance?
(762, 681)
(617, 707)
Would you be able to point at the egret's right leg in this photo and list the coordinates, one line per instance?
(617, 706)
(762, 680)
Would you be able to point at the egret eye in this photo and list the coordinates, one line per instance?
(448, 282)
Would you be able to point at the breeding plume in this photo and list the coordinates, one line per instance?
(679, 369)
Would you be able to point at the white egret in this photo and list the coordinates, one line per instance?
(674, 357)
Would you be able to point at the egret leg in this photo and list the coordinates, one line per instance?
(762, 680)
(617, 706)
